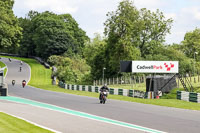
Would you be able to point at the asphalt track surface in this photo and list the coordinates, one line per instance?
(156, 117)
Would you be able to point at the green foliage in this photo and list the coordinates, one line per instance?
(191, 43)
(10, 32)
(47, 86)
(168, 53)
(27, 46)
(121, 28)
(154, 27)
(190, 46)
(71, 70)
(172, 94)
(94, 53)
(47, 34)
(133, 34)
(3, 65)
(78, 35)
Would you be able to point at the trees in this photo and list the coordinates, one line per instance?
(94, 53)
(191, 43)
(47, 34)
(72, 70)
(122, 29)
(154, 28)
(133, 34)
(10, 32)
(50, 36)
(169, 53)
(78, 35)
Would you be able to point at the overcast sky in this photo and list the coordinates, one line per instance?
(91, 14)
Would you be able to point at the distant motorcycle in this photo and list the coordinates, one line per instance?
(13, 82)
(23, 83)
(103, 97)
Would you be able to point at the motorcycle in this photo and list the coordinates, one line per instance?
(103, 96)
(13, 82)
(23, 83)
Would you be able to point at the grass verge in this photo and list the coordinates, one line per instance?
(40, 78)
(39, 74)
(3, 65)
(10, 124)
(138, 86)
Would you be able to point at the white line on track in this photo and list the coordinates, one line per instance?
(32, 122)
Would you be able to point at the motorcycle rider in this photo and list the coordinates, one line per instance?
(13, 82)
(103, 88)
(23, 83)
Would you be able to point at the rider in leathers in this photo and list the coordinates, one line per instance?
(102, 89)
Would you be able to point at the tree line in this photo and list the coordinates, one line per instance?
(129, 34)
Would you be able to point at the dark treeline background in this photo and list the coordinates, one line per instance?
(129, 34)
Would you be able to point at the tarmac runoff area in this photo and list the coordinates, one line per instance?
(59, 119)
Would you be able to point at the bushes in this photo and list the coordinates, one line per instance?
(72, 70)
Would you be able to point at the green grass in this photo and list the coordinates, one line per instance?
(40, 77)
(10, 124)
(138, 86)
(3, 65)
(172, 94)
(142, 86)
(196, 84)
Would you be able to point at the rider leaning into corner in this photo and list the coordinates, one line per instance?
(103, 88)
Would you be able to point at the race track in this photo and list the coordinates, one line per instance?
(155, 117)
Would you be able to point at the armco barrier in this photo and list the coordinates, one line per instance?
(193, 97)
(178, 95)
(139, 94)
(90, 88)
(72, 87)
(97, 89)
(77, 88)
(125, 92)
(112, 91)
(185, 96)
(61, 84)
(68, 87)
(188, 96)
(120, 91)
(83, 88)
(130, 94)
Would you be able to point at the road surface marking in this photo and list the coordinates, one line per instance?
(32, 122)
(77, 113)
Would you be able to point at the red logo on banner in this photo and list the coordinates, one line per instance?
(169, 66)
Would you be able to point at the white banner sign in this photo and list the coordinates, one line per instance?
(155, 66)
